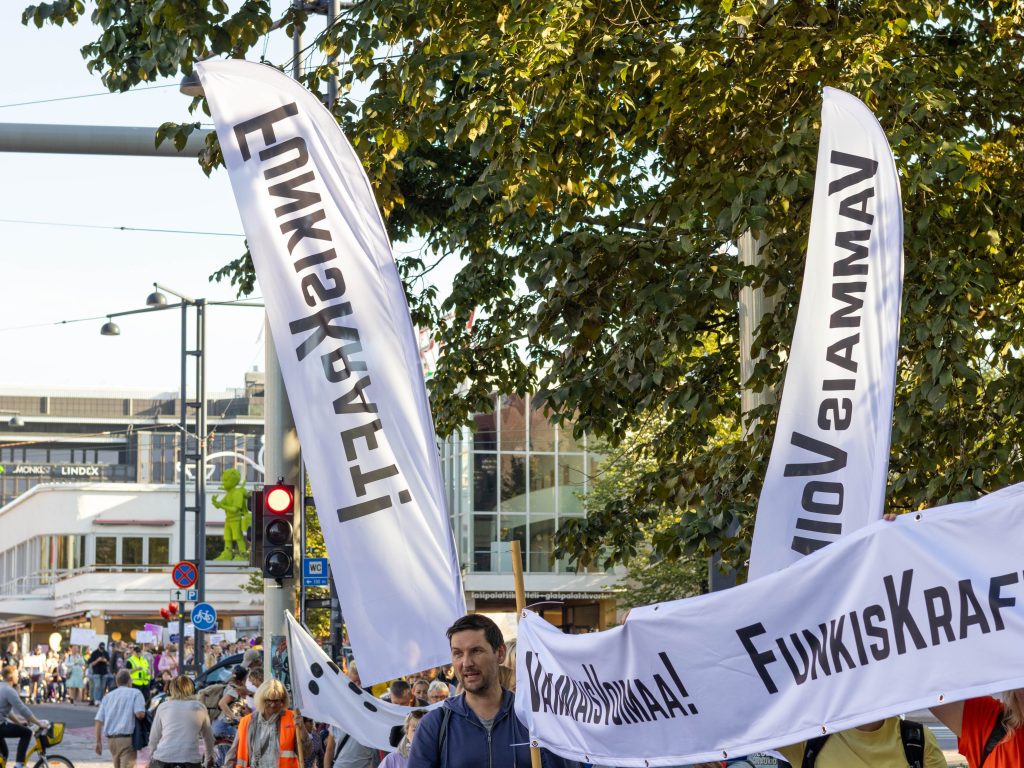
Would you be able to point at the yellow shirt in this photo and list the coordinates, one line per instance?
(867, 749)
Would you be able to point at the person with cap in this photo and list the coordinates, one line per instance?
(99, 666)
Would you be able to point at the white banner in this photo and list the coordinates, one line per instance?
(892, 618)
(830, 459)
(83, 636)
(350, 362)
(324, 693)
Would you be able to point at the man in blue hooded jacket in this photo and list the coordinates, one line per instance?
(477, 728)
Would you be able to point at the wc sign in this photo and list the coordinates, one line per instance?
(315, 572)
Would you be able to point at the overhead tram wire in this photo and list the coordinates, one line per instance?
(228, 302)
(85, 96)
(120, 228)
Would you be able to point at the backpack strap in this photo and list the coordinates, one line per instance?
(997, 735)
(812, 749)
(442, 735)
(912, 735)
(341, 746)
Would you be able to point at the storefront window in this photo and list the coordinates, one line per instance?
(513, 483)
(106, 550)
(131, 550)
(542, 431)
(542, 535)
(513, 423)
(570, 484)
(485, 537)
(485, 482)
(159, 550)
(513, 528)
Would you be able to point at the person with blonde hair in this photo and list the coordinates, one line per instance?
(400, 757)
(270, 737)
(989, 730)
(180, 722)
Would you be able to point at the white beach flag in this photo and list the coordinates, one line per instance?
(350, 362)
(830, 459)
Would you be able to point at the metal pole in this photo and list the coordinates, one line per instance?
(280, 460)
(301, 513)
(201, 451)
(332, 80)
(182, 466)
(94, 140)
(281, 454)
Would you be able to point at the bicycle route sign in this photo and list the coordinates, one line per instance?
(204, 617)
(184, 574)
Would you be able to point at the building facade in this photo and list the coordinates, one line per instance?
(515, 476)
(89, 518)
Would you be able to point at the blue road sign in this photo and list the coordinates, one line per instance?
(314, 572)
(204, 617)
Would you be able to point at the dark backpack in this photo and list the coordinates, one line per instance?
(911, 733)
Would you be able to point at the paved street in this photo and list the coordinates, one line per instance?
(79, 744)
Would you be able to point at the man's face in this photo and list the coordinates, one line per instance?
(475, 662)
(405, 699)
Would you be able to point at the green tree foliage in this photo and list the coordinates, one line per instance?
(588, 160)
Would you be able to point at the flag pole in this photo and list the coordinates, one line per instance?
(517, 577)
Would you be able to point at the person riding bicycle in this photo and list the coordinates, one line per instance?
(11, 706)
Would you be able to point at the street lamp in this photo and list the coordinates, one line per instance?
(157, 302)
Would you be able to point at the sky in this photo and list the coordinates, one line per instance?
(62, 271)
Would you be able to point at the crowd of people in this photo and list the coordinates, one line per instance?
(82, 675)
(247, 722)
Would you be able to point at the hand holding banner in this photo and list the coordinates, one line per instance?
(828, 469)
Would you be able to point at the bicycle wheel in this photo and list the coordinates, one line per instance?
(54, 761)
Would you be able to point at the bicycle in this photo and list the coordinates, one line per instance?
(43, 740)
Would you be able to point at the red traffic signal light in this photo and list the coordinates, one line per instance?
(279, 499)
(278, 531)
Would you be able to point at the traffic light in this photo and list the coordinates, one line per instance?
(278, 531)
(254, 533)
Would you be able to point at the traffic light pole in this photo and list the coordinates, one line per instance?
(280, 460)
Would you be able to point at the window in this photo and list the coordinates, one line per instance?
(159, 550)
(542, 432)
(214, 546)
(513, 424)
(131, 550)
(485, 539)
(485, 482)
(106, 550)
(513, 483)
(542, 536)
(570, 484)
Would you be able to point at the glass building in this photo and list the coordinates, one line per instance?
(515, 476)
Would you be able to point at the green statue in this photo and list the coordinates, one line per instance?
(236, 515)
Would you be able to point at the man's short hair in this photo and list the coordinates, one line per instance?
(474, 621)
(398, 689)
(123, 677)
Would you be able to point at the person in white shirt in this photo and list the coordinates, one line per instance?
(179, 723)
(116, 719)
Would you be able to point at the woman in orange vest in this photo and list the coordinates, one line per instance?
(268, 738)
